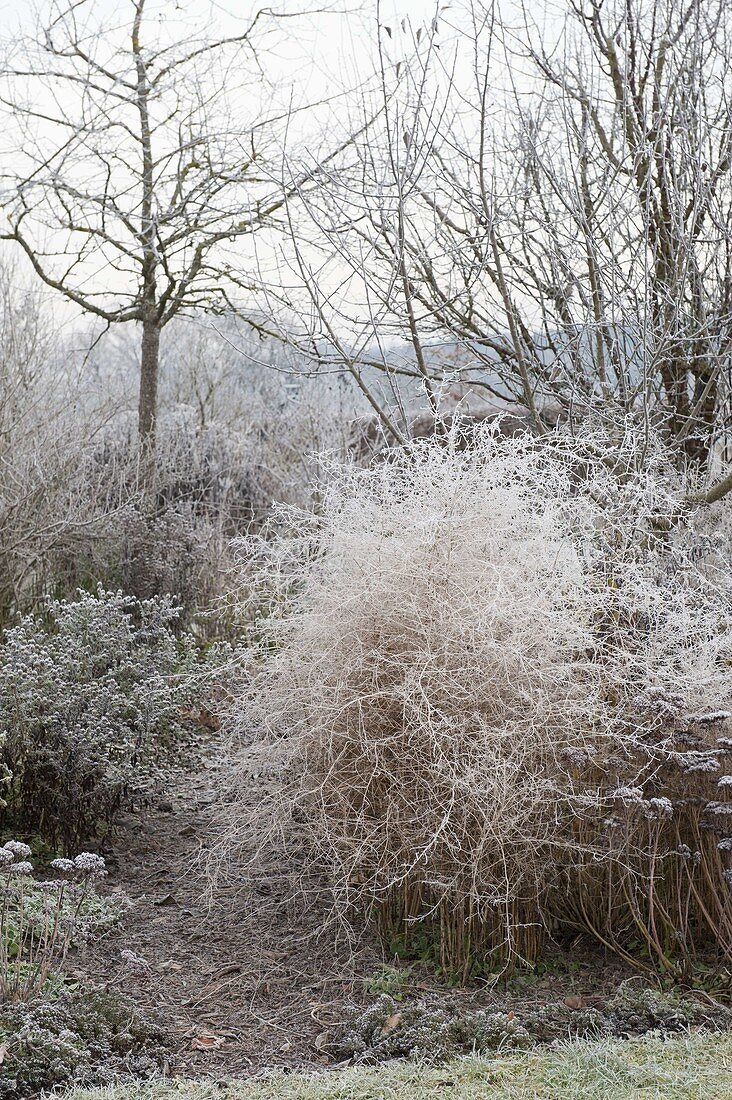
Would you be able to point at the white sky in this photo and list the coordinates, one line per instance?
(324, 53)
(323, 50)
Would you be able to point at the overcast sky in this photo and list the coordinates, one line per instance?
(326, 52)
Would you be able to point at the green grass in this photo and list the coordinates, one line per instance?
(693, 1067)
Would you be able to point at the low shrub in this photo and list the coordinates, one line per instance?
(208, 488)
(86, 691)
(386, 1030)
(89, 1038)
(75, 508)
(498, 682)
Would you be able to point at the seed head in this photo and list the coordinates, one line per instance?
(17, 848)
(22, 868)
(627, 795)
(63, 866)
(719, 807)
(90, 865)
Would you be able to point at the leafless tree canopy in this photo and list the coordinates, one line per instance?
(136, 167)
(540, 214)
(552, 207)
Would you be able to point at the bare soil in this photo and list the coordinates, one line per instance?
(260, 979)
(248, 983)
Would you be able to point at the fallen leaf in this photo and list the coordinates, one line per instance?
(166, 899)
(207, 1040)
(391, 1023)
(235, 968)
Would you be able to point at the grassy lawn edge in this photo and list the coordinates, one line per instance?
(695, 1066)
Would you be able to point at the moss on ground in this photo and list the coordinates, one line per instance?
(688, 1067)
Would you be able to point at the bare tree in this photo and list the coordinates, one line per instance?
(350, 292)
(623, 229)
(555, 208)
(133, 172)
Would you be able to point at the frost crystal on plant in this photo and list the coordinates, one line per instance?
(658, 807)
(84, 691)
(90, 864)
(17, 848)
(62, 865)
(628, 795)
(22, 868)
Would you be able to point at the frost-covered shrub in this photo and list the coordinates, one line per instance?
(86, 691)
(75, 511)
(385, 1029)
(425, 685)
(213, 482)
(86, 1037)
(208, 488)
(490, 675)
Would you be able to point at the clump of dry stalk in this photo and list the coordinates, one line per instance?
(496, 684)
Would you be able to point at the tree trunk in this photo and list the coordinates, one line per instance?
(143, 580)
(148, 404)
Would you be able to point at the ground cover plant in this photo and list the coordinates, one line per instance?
(497, 680)
(685, 1068)
(51, 1032)
(87, 1036)
(87, 690)
(388, 1029)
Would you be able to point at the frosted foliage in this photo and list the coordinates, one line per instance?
(84, 692)
(465, 655)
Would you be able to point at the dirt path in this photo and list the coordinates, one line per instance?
(238, 988)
